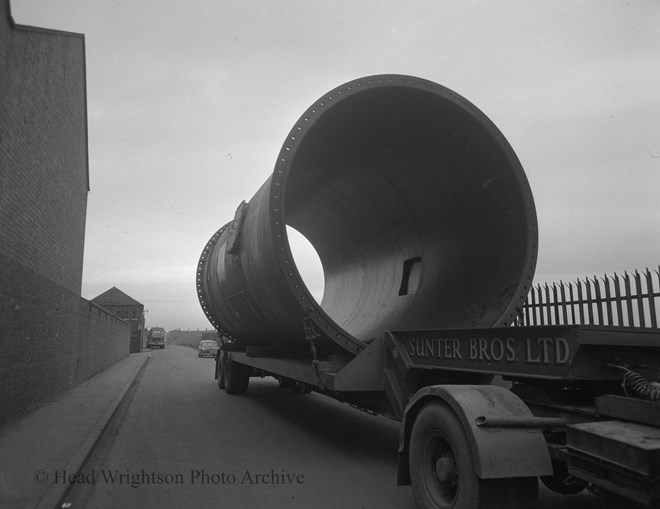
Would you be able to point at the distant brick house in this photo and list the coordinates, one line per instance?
(126, 308)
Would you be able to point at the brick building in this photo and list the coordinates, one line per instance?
(127, 308)
(50, 338)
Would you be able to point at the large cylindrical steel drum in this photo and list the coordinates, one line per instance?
(416, 204)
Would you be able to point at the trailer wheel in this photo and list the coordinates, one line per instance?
(236, 378)
(442, 470)
(220, 371)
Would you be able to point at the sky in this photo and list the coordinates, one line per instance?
(190, 102)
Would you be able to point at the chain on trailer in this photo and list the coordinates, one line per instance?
(310, 335)
(363, 409)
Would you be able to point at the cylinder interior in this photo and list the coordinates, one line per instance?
(418, 209)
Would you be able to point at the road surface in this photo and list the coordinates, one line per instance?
(181, 442)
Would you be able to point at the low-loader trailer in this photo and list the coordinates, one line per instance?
(425, 226)
(575, 407)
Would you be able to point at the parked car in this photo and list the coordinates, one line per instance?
(207, 348)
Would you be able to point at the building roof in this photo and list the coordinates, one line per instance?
(115, 297)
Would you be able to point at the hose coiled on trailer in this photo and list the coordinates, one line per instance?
(636, 386)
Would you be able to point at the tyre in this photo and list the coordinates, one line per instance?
(220, 372)
(236, 378)
(443, 473)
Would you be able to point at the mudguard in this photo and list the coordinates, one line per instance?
(515, 448)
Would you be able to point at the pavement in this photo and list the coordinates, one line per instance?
(38, 452)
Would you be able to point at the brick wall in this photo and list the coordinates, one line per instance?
(104, 340)
(50, 338)
(184, 338)
(189, 337)
(39, 321)
(135, 316)
(43, 150)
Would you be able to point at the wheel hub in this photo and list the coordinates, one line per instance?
(445, 469)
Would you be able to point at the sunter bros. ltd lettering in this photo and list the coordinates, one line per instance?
(546, 350)
(435, 348)
(541, 351)
(494, 349)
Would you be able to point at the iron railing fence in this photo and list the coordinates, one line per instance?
(628, 300)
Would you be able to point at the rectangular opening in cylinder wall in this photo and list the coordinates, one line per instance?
(412, 275)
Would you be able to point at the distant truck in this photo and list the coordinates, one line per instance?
(156, 337)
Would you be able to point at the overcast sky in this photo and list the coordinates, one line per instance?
(190, 102)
